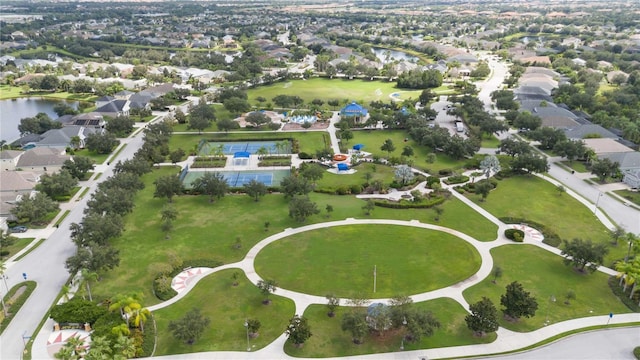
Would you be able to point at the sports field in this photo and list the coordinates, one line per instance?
(327, 89)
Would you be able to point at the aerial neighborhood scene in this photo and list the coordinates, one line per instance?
(376, 179)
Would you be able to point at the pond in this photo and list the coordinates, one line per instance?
(387, 55)
(13, 110)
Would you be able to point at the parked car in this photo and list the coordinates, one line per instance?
(18, 229)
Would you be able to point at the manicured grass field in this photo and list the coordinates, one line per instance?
(14, 248)
(309, 142)
(347, 206)
(340, 260)
(13, 92)
(329, 340)
(378, 172)
(227, 307)
(579, 166)
(544, 275)
(633, 196)
(209, 231)
(98, 158)
(532, 198)
(361, 91)
(373, 140)
(489, 141)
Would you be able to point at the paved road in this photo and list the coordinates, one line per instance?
(45, 265)
(612, 344)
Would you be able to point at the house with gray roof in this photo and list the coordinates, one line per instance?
(14, 185)
(589, 131)
(43, 159)
(114, 109)
(629, 166)
(62, 138)
(9, 159)
(556, 117)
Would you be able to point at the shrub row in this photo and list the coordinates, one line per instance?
(632, 304)
(354, 189)
(456, 179)
(209, 164)
(514, 235)
(550, 237)
(14, 306)
(424, 204)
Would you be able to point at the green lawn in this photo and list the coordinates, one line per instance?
(578, 166)
(309, 142)
(13, 92)
(373, 140)
(227, 307)
(98, 158)
(347, 206)
(544, 275)
(204, 230)
(14, 248)
(633, 196)
(378, 172)
(329, 340)
(534, 199)
(489, 141)
(341, 260)
(361, 91)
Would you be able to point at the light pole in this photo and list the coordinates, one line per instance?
(552, 299)
(5, 277)
(404, 322)
(246, 325)
(595, 210)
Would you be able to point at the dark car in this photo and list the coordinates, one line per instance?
(18, 229)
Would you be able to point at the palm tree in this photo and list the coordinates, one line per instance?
(262, 151)
(65, 291)
(126, 304)
(88, 277)
(139, 316)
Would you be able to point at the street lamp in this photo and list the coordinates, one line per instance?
(597, 201)
(552, 299)
(246, 325)
(404, 322)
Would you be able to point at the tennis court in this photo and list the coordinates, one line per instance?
(229, 148)
(239, 178)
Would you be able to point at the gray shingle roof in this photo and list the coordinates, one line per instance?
(583, 131)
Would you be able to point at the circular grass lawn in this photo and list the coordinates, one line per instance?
(340, 260)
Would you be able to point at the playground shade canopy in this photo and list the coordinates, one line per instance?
(343, 167)
(358, 147)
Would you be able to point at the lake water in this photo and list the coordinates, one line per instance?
(13, 110)
(381, 54)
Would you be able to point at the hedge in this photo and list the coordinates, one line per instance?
(550, 237)
(410, 205)
(632, 304)
(514, 234)
(456, 179)
(15, 306)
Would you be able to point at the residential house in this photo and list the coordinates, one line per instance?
(63, 138)
(590, 131)
(605, 146)
(629, 166)
(104, 100)
(613, 76)
(114, 109)
(14, 185)
(9, 160)
(556, 117)
(579, 62)
(42, 159)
